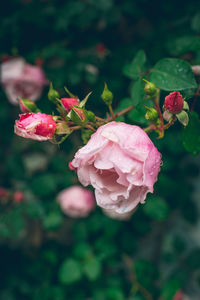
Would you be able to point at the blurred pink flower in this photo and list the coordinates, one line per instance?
(35, 126)
(76, 201)
(18, 197)
(121, 163)
(20, 79)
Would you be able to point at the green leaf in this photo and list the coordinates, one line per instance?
(82, 250)
(191, 134)
(114, 293)
(52, 220)
(193, 259)
(195, 23)
(70, 271)
(92, 269)
(170, 289)
(44, 184)
(136, 68)
(156, 208)
(137, 92)
(171, 74)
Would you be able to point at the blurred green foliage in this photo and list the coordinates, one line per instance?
(46, 255)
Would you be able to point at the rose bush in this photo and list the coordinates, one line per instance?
(35, 126)
(121, 163)
(76, 201)
(20, 79)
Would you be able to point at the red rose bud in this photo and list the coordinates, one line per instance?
(27, 105)
(35, 126)
(174, 103)
(79, 116)
(18, 197)
(68, 102)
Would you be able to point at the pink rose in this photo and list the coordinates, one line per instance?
(121, 163)
(76, 201)
(21, 79)
(35, 126)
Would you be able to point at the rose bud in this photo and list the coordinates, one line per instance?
(79, 116)
(174, 103)
(27, 105)
(76, 201)
(22, 80)
(68, 102)
(121, 163)
(38, 126)
(53, 95)
(107, 95)
(150, 88)
(18, 197)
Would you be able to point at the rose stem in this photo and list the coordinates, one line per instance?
(128, 262)
(111, 112)
(170, 123)
(75, 127)
(150, 128)
(157, 106)
(124, 111)
(90, 127)
(100, 119)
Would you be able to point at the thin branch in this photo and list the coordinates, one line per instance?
(90, 127)
(111, 112)
(157, 106)
(132, 276)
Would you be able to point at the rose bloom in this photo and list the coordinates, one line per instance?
(35, 126)
(121, 163)
(20, 79)
(76, 201)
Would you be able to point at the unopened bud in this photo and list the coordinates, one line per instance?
(91, 116)
(150, 89)
(79, 115)
(107, 95)
(151, 114)
(53, 95)
(27, 105)
(174, 103)
(68, 102)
